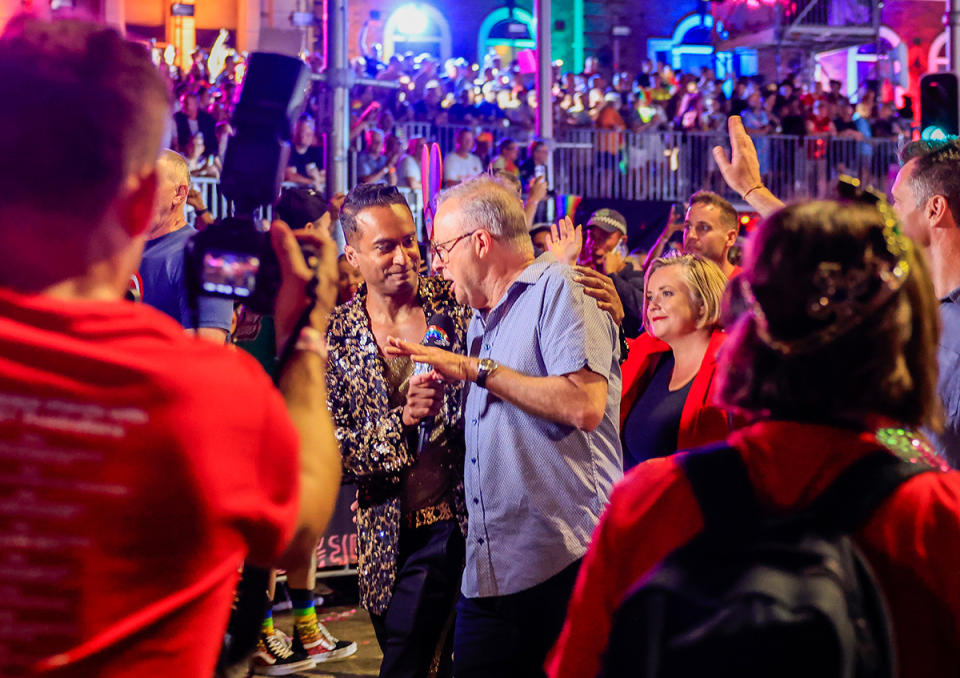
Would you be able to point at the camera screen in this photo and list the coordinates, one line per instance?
(230, 273)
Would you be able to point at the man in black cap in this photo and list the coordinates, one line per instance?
(601, 264)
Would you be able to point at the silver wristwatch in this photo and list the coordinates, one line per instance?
(484, 370)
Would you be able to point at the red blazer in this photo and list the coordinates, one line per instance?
(700, 422)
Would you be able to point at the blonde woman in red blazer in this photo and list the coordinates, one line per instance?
(668, 376)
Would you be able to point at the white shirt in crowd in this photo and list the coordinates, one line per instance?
(457, 169)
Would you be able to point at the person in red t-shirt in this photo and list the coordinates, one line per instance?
(139, 466)
(834, 358)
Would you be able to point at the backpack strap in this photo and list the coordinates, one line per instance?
(847, 504)
(721, 485)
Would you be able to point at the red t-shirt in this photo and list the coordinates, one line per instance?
(139, 467)
(912, 542)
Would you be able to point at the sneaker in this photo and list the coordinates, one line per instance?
(274, 657)
(320, 643)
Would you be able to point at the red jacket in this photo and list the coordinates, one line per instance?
(912, 541)
(700, 422)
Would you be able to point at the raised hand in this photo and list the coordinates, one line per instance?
(538, 189)
(742, 170)
(565, 241)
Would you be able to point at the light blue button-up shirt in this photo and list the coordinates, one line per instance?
(948, 357)
(535, 489)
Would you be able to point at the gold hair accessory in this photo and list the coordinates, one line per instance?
(843, 295)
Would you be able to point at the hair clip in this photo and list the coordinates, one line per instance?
(844, 298)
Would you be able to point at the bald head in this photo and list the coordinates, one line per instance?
(173, 184)
(174, 166)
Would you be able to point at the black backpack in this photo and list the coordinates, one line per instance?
(754, 595)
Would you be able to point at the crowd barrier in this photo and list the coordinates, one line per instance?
(669, 166)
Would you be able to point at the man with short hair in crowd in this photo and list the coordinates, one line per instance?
(162, 275)
(373, 166)
(542, 377)
(462, 163)
(411, 516)
(710, 228)
(605, 230)
(926, 195)
(306, 158)
(192, 119)
(140, 467)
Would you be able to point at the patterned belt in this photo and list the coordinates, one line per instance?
(427, 516)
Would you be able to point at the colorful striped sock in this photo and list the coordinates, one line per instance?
(267, 625)
(302, 602)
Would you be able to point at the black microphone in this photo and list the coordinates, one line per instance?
(440, 334)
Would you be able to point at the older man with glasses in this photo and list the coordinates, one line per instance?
(542, 381)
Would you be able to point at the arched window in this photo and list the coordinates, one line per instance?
(506, 33)
(417, 27)
(690, 47)
(883, 59)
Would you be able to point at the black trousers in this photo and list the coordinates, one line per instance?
(429, 566)
(510, 636)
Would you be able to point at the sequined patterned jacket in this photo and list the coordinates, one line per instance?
(375, 445)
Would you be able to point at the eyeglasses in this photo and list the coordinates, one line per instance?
(442, 250)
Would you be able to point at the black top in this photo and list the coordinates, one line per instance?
(883, 128)
(844, 125)
(652, 426)
(793, 125)
(313, 154)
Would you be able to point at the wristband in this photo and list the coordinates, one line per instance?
(203, 210)
(758, 186)
(312, 340)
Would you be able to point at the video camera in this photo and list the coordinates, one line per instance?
(233, 258)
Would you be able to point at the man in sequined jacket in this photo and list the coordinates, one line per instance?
(411, 519)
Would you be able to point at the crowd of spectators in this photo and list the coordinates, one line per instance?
(497, 102)
(653, 97)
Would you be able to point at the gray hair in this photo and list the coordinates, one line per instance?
(490, 203)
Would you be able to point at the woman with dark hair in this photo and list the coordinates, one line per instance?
(833, 360)
(669, 374)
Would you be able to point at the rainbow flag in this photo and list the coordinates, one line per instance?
(567, 205)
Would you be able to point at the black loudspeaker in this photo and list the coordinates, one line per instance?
(939, 107)
(274, 93)
(559, 25)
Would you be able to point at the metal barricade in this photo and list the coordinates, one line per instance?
(446, 135)
(666, 166)
(670, 166)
